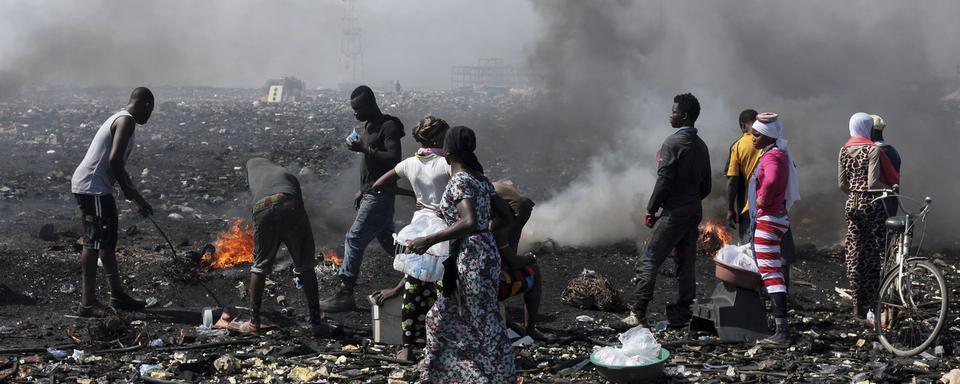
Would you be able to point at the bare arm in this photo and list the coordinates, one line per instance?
(388, 183)
(121, 139)
(462, 228)
(502, 215)
(733, 189)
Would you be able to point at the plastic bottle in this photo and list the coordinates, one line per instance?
(353, 136)
(296, 281)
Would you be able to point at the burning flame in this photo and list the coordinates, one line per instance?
(713, 236)
(330, 256)
(233, 247)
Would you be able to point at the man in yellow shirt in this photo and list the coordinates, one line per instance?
(743, 159)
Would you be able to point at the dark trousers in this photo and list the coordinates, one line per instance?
(744, 228)
(669, 233)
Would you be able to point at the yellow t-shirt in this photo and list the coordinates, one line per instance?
(743, 160)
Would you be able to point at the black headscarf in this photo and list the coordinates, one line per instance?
(460, 142)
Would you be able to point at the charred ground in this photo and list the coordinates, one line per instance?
(188, 162)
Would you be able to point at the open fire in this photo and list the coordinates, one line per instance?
(330, 256)
(233, 247)
(713, 236)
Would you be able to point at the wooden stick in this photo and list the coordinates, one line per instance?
(14, 351)
(765, 373)
(208, 345)
(374, 357)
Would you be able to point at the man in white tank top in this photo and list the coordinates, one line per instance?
(92, 184)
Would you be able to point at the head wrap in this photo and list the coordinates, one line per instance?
(860, 125)
(768, 125)
(878, 122)
(430, 129)
(460, 142)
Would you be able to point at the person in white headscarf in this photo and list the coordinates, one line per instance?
(774, 187)
(863, 166)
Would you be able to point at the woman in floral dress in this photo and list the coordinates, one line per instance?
(466, 338)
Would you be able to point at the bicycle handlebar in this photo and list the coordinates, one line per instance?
(895, 192)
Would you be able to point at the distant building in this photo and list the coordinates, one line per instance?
(283, 90)
(489, 73)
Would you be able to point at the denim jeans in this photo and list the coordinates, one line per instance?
(669, 233)
(374, 221)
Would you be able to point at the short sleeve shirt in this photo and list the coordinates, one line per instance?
(743, 160)
(428, 175)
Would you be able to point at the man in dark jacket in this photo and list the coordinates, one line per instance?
(379, 142)
(683, 180)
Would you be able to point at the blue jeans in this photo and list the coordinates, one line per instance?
(374, 221)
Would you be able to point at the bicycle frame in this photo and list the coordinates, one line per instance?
(906, 236)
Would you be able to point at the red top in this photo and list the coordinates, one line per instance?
(773, 174)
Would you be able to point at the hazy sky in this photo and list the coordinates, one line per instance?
(243, 43)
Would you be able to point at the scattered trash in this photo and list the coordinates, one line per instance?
(574, 369)
(226, 364)
(156, 343)
(57, 353)
(591, 291)
(661, 326)
(67, 287)
(585, 319)
(525, 341)
(145, 369)
(844, 293)
(151, 301)
(302, 374)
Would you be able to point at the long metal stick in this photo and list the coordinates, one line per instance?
(173, 251)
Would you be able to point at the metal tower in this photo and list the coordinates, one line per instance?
(351, 44)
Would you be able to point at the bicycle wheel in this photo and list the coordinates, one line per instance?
(910, 318)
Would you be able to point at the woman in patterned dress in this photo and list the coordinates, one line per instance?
(864, 166)
(466, 338)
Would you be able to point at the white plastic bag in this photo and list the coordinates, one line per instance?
(611, 356)
(428, 266)
(737, 256)
(639, 347)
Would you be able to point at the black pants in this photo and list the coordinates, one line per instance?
(744, 228)
(669, 233)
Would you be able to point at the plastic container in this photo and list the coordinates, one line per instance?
(353, 137)
(633, 374)
(736, 276)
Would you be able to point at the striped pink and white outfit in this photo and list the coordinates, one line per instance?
(766, 247)
(773, 189)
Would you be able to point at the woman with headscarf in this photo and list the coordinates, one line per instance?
(466, 338)
(428, 174)
(774, 187)
(863, 166)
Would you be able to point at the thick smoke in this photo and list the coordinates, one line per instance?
(612, 69)
(225, 43)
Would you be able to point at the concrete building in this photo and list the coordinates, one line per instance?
(284, 89)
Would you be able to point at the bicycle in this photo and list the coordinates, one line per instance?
(911, 307)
